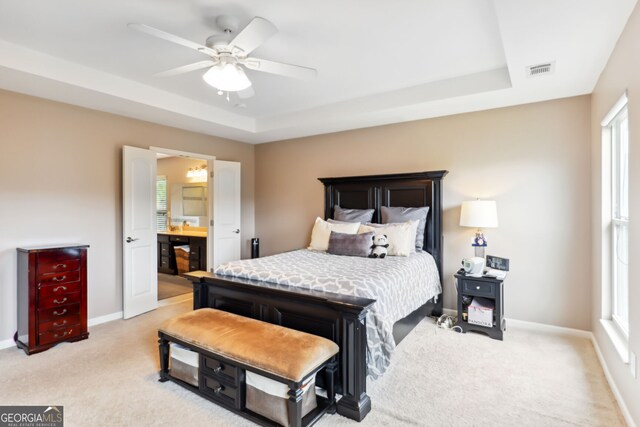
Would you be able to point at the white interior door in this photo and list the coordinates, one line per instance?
(139, 246)
(226, 212)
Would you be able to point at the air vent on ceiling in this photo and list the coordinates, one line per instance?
(540, 69)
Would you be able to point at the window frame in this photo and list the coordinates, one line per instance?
(618, 222)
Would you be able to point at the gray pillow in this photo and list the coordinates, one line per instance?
(350, 244)
(352, 215)
(398, 214)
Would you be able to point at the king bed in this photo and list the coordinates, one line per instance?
(367, 306)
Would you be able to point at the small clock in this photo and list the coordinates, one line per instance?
(497, 263)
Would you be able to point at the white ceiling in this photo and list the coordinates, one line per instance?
(378, 62)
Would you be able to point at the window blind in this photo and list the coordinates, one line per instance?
(161, 203)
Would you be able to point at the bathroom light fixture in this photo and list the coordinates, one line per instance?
(197, 172)
(227, 77)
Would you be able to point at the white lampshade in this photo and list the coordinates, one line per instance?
(479, 214)
(227, 77)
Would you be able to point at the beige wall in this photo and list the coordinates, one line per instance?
(621, 73)
(533, 159)
(60, 181)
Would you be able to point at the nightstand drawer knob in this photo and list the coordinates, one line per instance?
(478, 287)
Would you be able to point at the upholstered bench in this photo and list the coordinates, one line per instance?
(261, 371)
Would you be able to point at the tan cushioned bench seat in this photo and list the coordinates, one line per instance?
(281, 351)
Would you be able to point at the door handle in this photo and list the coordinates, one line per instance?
(237, 231)
(129, 240)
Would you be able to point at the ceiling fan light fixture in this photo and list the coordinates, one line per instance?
(227, 77)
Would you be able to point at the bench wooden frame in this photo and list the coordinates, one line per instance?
(237, 405)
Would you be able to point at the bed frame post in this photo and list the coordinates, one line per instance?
(355, 402)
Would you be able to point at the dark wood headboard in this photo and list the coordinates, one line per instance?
(404, 189)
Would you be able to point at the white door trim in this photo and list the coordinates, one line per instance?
(181, 153)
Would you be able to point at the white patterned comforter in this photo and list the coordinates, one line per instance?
(399, 284)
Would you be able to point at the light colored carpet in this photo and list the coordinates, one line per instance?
(437, 378)
(170, 286)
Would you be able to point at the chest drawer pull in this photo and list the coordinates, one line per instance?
(56, 324)
(55, 313)
(218, 389)
(60, 302)
(217, 370)
(57, 288)
(57, 266)
(64, 334)
(59, 279)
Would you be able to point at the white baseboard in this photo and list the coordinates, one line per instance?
(535, 326)
(543, 327)
(104, 319)
(7, 343)
(450, 312)
(614, 388)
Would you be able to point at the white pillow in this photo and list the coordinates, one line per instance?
(401, 236)
(322, 231)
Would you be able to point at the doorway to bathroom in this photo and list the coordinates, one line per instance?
(182, 220)
(193, 224)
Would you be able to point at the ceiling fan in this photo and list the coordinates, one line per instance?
(228, 54)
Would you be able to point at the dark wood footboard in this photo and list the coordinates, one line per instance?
(340, 318)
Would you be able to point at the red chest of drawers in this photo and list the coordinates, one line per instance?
(52, 296)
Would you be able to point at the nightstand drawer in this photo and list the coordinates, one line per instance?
(478, 288)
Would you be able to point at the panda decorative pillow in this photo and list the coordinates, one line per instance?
(380, 246)
(401, 237)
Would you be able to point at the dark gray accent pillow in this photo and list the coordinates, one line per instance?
(398, 214)
(350, 244)
(352, 215)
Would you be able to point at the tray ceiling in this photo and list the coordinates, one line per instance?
(384, 63)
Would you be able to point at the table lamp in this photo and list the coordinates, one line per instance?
(479, 214)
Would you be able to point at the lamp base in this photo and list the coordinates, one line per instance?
(479, 243)
(479, 251)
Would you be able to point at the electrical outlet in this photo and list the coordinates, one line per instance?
(633, 364)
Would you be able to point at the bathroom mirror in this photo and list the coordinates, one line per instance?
(194, 201)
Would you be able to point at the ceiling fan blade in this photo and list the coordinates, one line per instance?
(253, 35)
(187, 68)
(280, 68)
(246, 93)
(173, 39)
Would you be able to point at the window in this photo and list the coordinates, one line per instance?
(620, 219)
(161, 203)
(616, 130)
